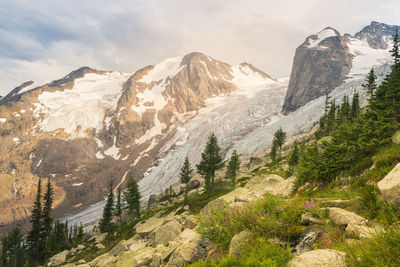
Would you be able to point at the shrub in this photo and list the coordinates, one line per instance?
(389, 156)
(269, 217)
(360, 166)
(257, 253)
(381, 250)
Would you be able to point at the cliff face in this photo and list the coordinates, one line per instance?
(320, 65)
(325, 60)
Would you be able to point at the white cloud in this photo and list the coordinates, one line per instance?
(44, 40)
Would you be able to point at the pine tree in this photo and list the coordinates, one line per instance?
(395, 50)
(355, 107)
(233, 167)
(184, 176)
(294, 156)
(132, 197)
(280, 137)
(211, 161)
(79, 235)
(118, 206)
(34, 238)
(12, 253)
(46, 215)
(105, 224)
(274, 150)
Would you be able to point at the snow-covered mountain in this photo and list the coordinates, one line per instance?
(326, 59)
(93, 127)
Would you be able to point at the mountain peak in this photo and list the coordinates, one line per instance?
(377, 34)
(317, 40)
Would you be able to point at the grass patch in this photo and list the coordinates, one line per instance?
(257, 253)
(268, 217)
(198, 202)
(382, 250)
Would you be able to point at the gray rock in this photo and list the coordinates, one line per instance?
(390, 186)
(319, 258)
(58, 259)
(193, 184)
(237, 242)
(310, 219)
(165, 233)
(343, 217)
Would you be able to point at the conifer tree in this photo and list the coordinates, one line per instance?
(280, 137)
(34, 238)
(46, 216)
(233, 167)
(395, 50)
(294, 156)
(105, 224)
(118, 205)
(132, 197)
(12, 253)
(355, 106)
(211, 161)
(185, 172)
(274, 150)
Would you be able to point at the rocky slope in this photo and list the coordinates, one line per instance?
(326, 59)
(92, 128)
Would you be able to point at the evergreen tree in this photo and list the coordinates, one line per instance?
(294, 156)
(132, 197)
(79, 235)
(233, 167)
(47, 222)
(279, 138)
(105, 224)
(355, 107)
(395, 50)
(58, 240)
(118, 205)
(274, 150)
(13, 253)
(34, 238)
(211, 161)
(184, 176)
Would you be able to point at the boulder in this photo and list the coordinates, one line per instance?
(143, 257)
(239, 193)
(135, 245)
(189, 222)
(310, 219)
(100, 238)
(153, 199)
(396, 138)
(144, 228)
(186, 236)
(58, 259)
(362, 231)
(119, 248)
(193, 184)
(319, 258)
(165, 233)
(343, 217)
(390, 186)
(272, 183)
(187, 253)
(100, 246)
(237, 242)
(212, 206)
(156, 261)
(102, 260)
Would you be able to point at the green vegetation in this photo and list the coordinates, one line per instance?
(132, 197)
(270, 217)
(105, 224)
(255, 253)
(184, 176)
(211, 161)
(233, 167)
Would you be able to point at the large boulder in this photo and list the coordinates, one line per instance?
(253, 162)
(143, 257)
(390, 186)
(237, 242)
(213, 206)
(144, 228)
(188, 253)
(239, 194)
(165, 233)
(343, 217)
(309, 219)
(362, 231)
(319, 258)
(272, 183)
(58, 259)
(193, 184)
(119, 248)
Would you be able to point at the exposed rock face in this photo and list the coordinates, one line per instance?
(390, 186)
(377, 34)
(325, 60)
(318, 258)
(320, 64)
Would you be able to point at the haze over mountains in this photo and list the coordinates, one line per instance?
(94, 127)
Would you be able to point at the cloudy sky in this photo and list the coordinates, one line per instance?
(43, 40)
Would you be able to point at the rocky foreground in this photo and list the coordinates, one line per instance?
(171, 238)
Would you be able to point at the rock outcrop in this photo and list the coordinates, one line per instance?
(319, 258)
(390, 186)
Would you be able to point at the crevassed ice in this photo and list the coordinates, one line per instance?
(82, 106)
